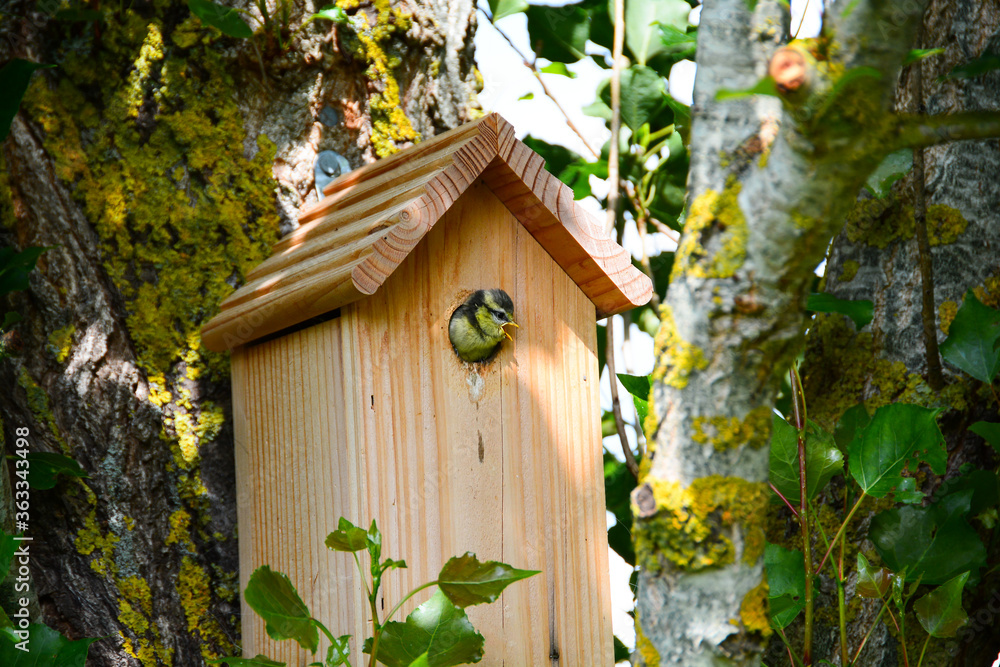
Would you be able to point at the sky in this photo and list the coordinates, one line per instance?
(506, 81)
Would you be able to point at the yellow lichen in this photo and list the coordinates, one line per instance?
(676, 359)
(879, 222)
(650, 656)
(713, 214)
(38, 403)
(689, 529)
(61, 341)
(180, 523)
(725, 433)
(848, 270)
(754, 610)
(90, 540)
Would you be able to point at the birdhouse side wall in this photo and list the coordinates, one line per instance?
(378, 418)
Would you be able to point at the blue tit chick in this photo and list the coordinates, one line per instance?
(476, 327)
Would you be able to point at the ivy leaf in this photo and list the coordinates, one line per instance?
(763, 87)
(559, 34)
(274, 598)
(639, 387)
(919, 54)
(642, 91)
(823, 459)
(930, 544)
(437, 628)
(973, 338)
(332, 13)
(14, 79)
(560, 69)
(896, 434)
(975, 67)
(502, 8)
(347, 537)
(988, 431)
(786, 581)
(46, 466)
(225, 19)
(48, 648)
(893, 167)
(259, 660)
(642, 19)
(851, 423)
(861, 311)
(940, 611)
(466, 581)
(872, 582)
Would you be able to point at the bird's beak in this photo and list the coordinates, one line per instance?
(505, 331)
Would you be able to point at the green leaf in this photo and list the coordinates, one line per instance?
(763, 87)
(331, 13)
(851, 423)
(622, 652)
(906, 492)
(374, 543)
(14, 79)
(47, 648)
(930, 544)
(422, 661)
(597, 109)
(975, 67)
(642, 19)
(274, 598)
(642, 91)
(972, 340)
(940, 611)
(527, 96)
(8, 545)
(225, 19)
(618, 483)
(823, 459)
(984, 484)
(988, 431)
(559, 34)
(786, 581)
(45, 466)
(437, 628)
(893, 167)
(896, 435)
(10, 319)
(15, 267)
(502, 8)
(259, 660)
(347, 537)
(339, 652)
(919, 54)
(872, 582)
(639, 387)
(560, 69)
(681, 42)
(466, 581)
(861, 311)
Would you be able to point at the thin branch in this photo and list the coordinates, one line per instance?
(934, 377)
(616, 121)
(616, 406)
(530, 64)
(932, 130)
(640, 224)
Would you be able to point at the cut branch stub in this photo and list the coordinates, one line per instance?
(791, 68)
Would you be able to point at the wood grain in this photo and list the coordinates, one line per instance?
(371, 416)
(375, 216)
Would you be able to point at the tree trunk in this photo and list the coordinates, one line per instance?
(769, 188)
(159, 160)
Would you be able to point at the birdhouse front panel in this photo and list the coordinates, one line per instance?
(501, 458)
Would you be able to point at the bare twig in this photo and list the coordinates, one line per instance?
(933, 130)
(616, 406)
(616, 118)
(530, 64)
(934, 377)
(640, 224)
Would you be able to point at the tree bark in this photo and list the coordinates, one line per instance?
(769, 188)
(159, 160)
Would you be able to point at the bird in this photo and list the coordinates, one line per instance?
(476, 328)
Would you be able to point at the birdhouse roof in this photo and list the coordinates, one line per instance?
(350, 241)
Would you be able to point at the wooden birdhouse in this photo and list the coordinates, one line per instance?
(349, 399)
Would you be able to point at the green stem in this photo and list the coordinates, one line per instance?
(791, 654)
(368, 592)
(926, 642)
(841, 607)
(378, 633)
(842, 528)
(885, 605)
(798, 408)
